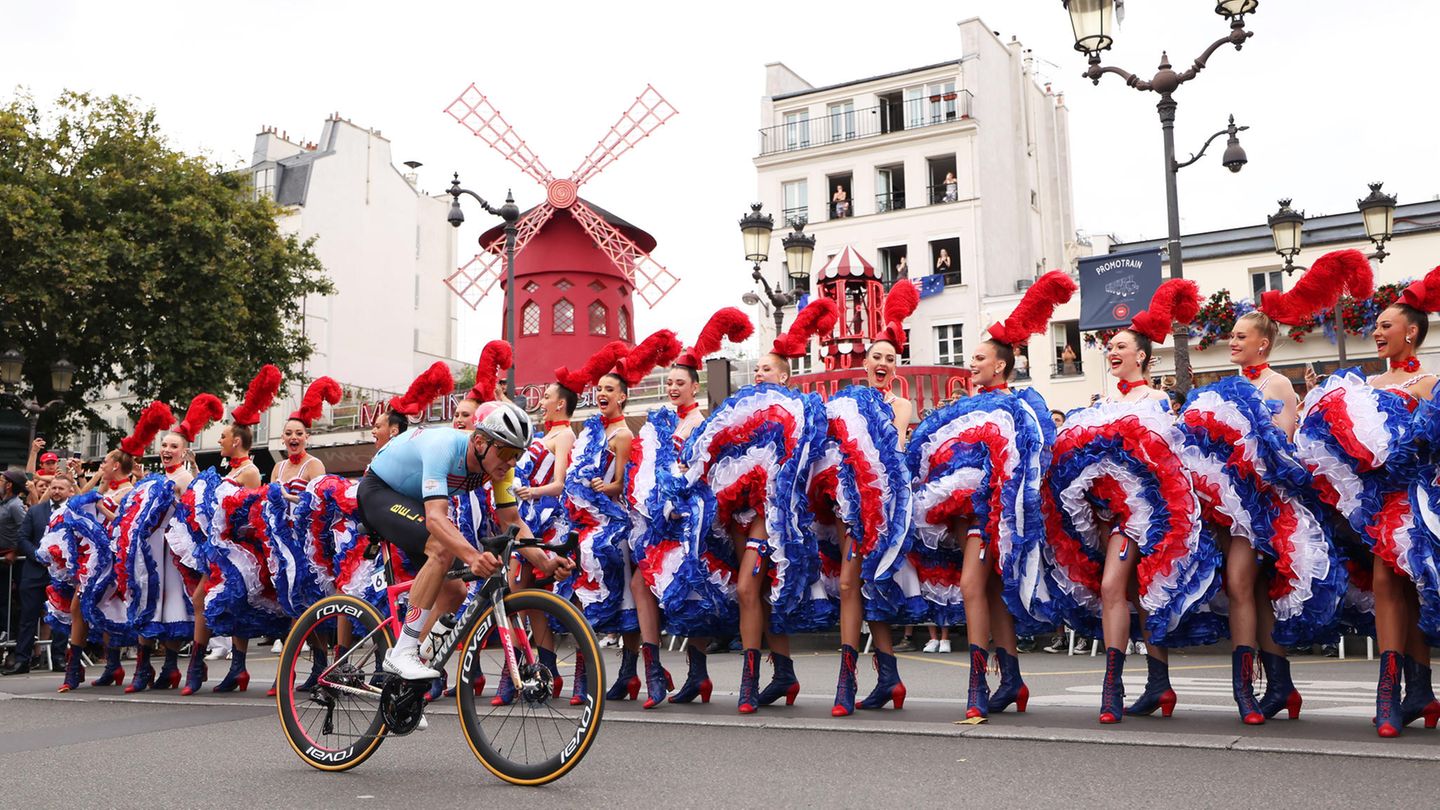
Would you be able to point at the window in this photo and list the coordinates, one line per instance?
(1066, 334)
(96, 446)
(841, 116)
(892, 117)
(531, 287)
(837, 187)
(562, 318)
(265, 182)
(945, 260)
(797, 206)
(598, 316)
(563, 285)
(889, 188)
(892, 264)
(950, 344)
(941, 97)
(802, 365)
(797, 129)
(622, 324)
(530, 319)
(597, 286)
(944, 187)
(914, 107)
(905, 353)
(1266, 280)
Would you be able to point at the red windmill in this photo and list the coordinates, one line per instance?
(574, 294)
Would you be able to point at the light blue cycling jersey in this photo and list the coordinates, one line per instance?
(428, 462)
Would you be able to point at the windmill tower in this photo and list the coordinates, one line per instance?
(576, 264)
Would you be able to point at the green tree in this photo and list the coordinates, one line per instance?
(136, 262)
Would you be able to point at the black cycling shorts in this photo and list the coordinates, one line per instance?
(396, 518)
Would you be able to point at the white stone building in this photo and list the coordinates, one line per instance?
(967, 160)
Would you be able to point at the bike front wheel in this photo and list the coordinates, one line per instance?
(327, 692)
(536, 735)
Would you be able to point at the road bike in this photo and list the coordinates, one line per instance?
(337, 705)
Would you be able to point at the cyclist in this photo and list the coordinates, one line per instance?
(428, 465)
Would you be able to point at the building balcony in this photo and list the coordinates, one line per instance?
(870, 122)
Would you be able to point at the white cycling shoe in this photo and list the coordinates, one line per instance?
(423, 724)
(406, 663)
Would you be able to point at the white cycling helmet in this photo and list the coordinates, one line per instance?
(503, 423)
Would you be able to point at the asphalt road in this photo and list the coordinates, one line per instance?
(159, 750)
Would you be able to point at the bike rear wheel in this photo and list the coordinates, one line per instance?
(538, 737)
(329, 709)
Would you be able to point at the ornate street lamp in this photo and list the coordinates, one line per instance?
(510, 213)
(62, 379)
(1378, 212)
(757, 229)
(1286, 226)
(1093, 23)
(799, 252)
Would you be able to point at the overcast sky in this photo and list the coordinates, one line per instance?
(1336, 94)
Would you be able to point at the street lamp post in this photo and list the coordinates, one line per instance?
(1287, 227)
(510, 213)
(757, 228)
(12, 367)
(1092, 21)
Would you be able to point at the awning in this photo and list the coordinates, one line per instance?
(848, 262)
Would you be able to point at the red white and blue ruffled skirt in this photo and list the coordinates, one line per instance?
(1420, 560)
(750, 459)
(982, 459)
(859, 485)
(1252, 484)
(1362, 447)
(71, 545)
(301, 562)
(157, 588)
(242, 600)
(602, 579)
(688, 567)
(1117, 469)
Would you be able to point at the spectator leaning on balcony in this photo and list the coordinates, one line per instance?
(841, 201)
(1067, 361)
(942, 262)
(902, 270)
(952, 188)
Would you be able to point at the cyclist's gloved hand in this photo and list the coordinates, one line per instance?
(484, 565)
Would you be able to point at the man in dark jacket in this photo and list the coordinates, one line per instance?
(33, 575)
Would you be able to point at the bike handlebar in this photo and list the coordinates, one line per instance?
(502, 545)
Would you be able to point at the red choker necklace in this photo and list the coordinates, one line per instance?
(239, 461)
(551, 424)
(1253, 373)
(685, 410)
(617, 420)
(171, 470)
(1411, 364)
(296, 458)
(1126, 386)
(985, 389)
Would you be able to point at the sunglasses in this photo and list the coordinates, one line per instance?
(507, 453)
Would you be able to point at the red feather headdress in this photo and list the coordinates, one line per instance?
(819, 316)
(1320, 287)
(1177, 301)
(324, 390)
(433, 382)
(494, 358)
(728, 323)
(1424, 294)
(596, 367)
(258, 396)
(155, 418)
(900, 303)
(1032, 315)
(204, 409)
(660, 349)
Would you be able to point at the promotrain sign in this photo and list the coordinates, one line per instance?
(1115, 286)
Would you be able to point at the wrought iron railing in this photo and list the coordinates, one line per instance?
(889, 201)
(840, 127)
